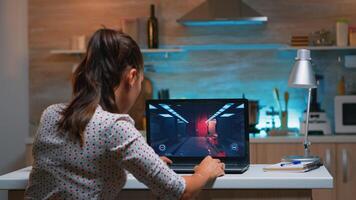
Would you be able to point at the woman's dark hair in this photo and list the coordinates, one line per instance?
(109, 54)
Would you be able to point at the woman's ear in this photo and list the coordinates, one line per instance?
(132, 76)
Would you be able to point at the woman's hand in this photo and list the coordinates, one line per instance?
(210, 168)
(166, 160)
(207, 170)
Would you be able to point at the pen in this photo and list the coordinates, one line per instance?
(294, 162)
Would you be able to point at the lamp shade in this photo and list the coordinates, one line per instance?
(302, 75)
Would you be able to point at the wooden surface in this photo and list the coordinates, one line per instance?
(255, 194)
(28, 154)
(16, 195)
(210, 74)
(346, 188)
(233, 194)
(52, 25)
(253, 153)
(272, 153)
(323, 150)
(212, 195)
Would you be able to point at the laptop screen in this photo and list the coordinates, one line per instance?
(197, 128)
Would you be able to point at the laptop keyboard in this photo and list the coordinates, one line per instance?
(229, 168)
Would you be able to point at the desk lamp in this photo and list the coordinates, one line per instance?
(302, 76)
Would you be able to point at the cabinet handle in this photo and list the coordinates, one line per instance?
(328, 159)
(345, 164)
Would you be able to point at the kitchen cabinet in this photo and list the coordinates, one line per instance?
(327, 153)
(338, 158)
(269, 153)
(28, 154)
(272, 153)
(346, 171)
(253, 155)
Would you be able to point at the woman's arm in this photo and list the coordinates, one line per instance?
(136, 156)
(193, 185)
(197, 181)
(206, 171)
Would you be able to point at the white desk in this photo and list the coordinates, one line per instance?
(253, 179)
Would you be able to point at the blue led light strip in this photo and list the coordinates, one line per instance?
(249, 21)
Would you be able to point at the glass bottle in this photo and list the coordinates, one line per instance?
(152, 29)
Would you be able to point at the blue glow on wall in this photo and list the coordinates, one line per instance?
(265, 121)
(227, 74)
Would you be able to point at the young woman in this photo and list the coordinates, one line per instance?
(82, 148)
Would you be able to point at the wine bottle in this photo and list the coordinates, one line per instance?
(152, 29)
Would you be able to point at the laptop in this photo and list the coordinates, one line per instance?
(188, 130)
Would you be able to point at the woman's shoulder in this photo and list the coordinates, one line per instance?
(114, 118)
(117, 123)
(52, 112)
(54, 109)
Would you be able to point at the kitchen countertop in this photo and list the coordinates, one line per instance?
(294, 138)
(290, 138)
(253, 178)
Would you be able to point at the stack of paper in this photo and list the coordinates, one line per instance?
(292, 167)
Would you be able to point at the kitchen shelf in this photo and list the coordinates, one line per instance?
(67, 52)
(221, 47)
(79, 52)
(204, 47)
(319, 48)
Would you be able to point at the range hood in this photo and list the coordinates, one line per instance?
(222, 12)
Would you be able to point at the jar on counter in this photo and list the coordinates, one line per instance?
(342, 27)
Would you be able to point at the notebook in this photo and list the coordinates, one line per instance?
(292, 167)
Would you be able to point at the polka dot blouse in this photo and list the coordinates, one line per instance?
(64, 170)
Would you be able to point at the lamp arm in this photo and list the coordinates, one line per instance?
(306, 140)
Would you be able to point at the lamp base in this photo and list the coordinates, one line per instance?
(311, 158)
